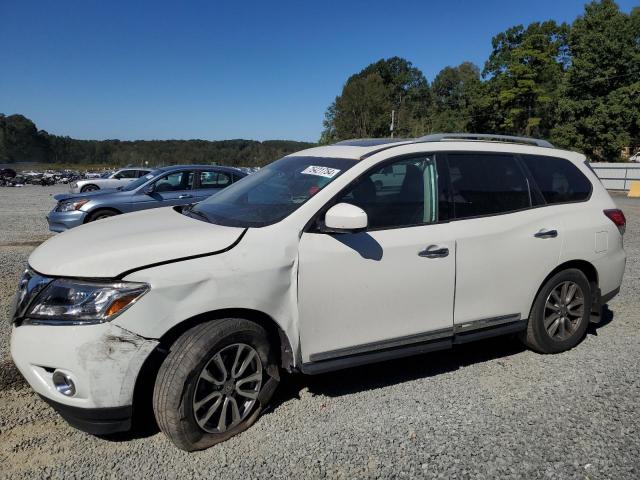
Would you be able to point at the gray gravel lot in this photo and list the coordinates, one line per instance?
(491, 409)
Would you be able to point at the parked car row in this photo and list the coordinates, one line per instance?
(122, 193)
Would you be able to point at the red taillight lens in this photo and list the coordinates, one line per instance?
(617, 216)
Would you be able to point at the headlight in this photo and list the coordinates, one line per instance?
(75, 302)
(70, 205)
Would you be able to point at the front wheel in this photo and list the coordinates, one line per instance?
(89, 188)
(214, 383)
(560, 314)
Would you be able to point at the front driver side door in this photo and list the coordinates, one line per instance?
(389, 287)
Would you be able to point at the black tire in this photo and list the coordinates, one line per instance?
(537, 337)
(178, 377)
(100, 215)
(89, 188)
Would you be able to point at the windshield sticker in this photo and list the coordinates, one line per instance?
(326, 172)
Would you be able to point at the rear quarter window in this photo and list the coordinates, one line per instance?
(559, 180)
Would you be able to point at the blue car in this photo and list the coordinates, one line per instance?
(164, 187)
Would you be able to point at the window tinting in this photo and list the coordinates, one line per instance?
(128, 174)
(174, 182)
(214, 179)
(398, 194)
(559, 180)
(487, 184)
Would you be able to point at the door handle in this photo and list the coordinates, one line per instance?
(184, 195)
(546, 234)
(434, 251)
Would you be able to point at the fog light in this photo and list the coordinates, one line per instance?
(63, 383)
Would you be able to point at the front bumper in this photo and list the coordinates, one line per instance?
(102, 360)
(61, 221)
(97, 421)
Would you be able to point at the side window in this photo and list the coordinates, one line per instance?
(174, 182)
(128, 174)
(487, 184)
(559, 180)
(214, 180)
(141, 173)
(399, 194)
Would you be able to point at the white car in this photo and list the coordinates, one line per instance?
(306, 266)
(111, 180)
(635, 157)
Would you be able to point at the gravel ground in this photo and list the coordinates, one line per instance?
(491, 409)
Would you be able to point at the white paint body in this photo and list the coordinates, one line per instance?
(113, 181)
(322, 294)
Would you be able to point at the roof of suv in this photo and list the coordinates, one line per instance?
(358, 149)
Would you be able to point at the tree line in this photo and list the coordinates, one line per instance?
(21, 141)
(576, 84)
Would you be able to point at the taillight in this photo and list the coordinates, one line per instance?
(617, 216)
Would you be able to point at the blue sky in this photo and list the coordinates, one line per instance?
(216, 70)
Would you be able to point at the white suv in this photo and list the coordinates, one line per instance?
(308, 265)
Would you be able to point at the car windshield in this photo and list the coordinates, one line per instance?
(141, 181)
(106, 175)
(271, 194)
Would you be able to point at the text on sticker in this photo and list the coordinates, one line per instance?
(321, 171)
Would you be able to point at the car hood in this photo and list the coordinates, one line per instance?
(103, 191)
(110, 247)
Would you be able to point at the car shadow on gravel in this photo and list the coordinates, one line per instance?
(367, 377)
(392, 372)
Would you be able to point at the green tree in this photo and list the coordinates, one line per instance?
(599, 107)
(363, 109)
(456, 93)
(524, 73)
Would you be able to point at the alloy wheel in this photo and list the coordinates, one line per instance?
(564, 310)
(227, 388)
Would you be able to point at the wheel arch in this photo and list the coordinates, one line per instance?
(584, 266)
(146, 378)
(276, 335)
(97, 209)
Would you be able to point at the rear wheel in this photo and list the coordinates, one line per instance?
(89, 188)
(214, 383)
(560, 314)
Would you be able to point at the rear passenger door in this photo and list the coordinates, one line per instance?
(505, 245)
(210, 182)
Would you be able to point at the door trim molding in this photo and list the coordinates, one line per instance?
(413, 344)
(382, 344)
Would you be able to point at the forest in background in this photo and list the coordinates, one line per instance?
(21, 141)
(576, 84)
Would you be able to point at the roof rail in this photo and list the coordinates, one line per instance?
(369, 142)
(490, 137)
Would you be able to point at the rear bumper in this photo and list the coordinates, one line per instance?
(61, 221)
(97, 421)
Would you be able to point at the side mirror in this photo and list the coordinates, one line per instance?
(345, 218)
(148, 190)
